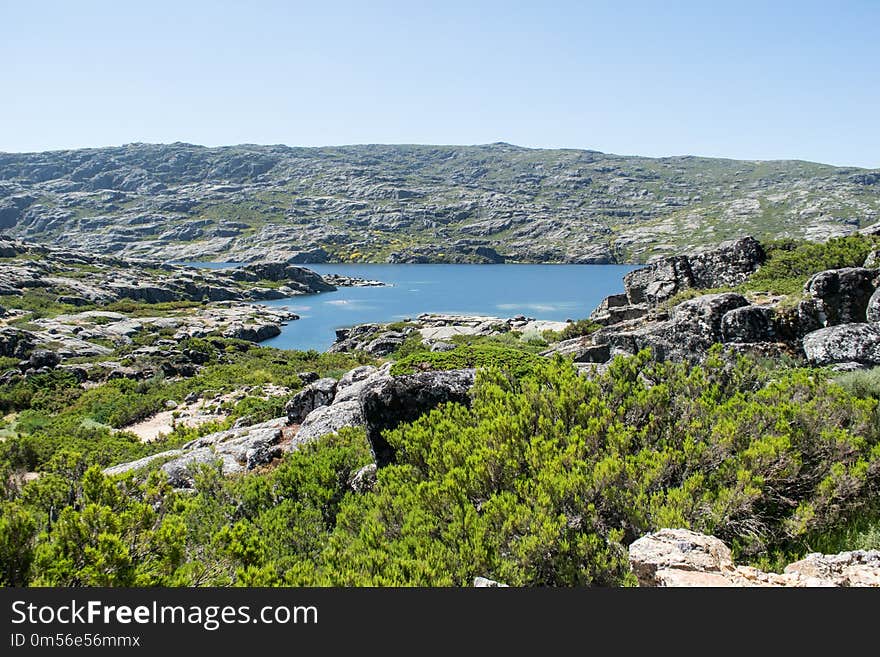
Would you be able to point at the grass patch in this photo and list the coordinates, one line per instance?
(790, 263)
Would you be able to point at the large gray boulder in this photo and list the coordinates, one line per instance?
(844, 343)
(841, 295)
(394, 400)
(328, 419)
(748, 324)
(238, 450)
(255, 332)
(728, 265)
(659, 281)
(319, 393)
(385, 343)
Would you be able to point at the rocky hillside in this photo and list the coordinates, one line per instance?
(68, 304)
(680, 306)
(417, 203)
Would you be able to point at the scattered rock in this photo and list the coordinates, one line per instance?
(680, 557)
(364, 480)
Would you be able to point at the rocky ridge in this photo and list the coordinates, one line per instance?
(380, 203)
(835, 323)
(365, 397)
(208, 302)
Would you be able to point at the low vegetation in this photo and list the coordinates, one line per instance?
(53, 413)
(790, 263)
(545, 480)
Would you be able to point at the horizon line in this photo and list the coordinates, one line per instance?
(430, 145)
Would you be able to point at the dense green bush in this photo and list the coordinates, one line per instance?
(544, 480)
(517, 362)
(861, 383)
(791, 262)
(576, 329)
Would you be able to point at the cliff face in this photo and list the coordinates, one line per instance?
(378, 203)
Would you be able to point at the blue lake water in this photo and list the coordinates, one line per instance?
(552, 292)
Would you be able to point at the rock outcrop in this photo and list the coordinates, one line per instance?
(846, 300)
(691, 328)
(237, 450)
(726, 266)
(365, 396)
(398, 399)
(680, 557)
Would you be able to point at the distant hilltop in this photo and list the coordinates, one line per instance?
(412, 203)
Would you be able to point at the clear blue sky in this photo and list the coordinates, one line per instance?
(754, 80)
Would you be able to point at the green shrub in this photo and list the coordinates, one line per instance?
(514, 361)
(790, 263)
(861, 383)
(546, 480)
(576, 329)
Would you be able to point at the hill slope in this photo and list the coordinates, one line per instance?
(418, 203)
